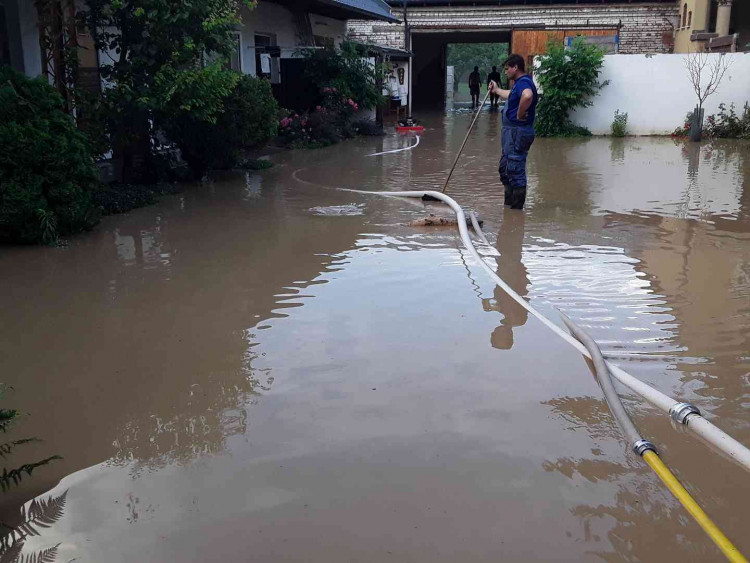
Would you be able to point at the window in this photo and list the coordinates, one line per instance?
(684, 15)
(323, 41)
(267, 57)
(690, 18)
(262, 59)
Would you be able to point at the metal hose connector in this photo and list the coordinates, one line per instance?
(646, 450)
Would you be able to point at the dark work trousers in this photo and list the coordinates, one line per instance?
(516, 142)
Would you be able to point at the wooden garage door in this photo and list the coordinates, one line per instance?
(530, 42)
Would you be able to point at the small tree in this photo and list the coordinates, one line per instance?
(569, 79)
(157, 69)
(620, 124)
(705, 76)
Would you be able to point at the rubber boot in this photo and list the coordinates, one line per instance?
(517, 197)
(508, 196)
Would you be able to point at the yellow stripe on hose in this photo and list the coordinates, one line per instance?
(723, 543)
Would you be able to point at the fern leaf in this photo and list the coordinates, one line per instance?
(7, 447)
(45, 556)
(10, 537)
(7, 416)
(15, 476)
(41, 514)
(11, 554)
(45, 512)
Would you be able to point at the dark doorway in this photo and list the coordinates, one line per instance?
(430, 62)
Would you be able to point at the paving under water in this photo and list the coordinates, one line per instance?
(264, 368)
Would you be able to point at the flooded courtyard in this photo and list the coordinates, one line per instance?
(266, 368)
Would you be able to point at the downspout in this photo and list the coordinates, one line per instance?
(407, 47)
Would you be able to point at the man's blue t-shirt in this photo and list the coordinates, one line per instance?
(511, 109)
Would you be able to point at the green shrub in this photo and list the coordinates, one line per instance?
(620, 124)
(684, 130)
(252, 111)
(728, 124)
(331, 121)
(47, 174)
(247, 122)
(347, 70)
(569, 78)
(120, 198)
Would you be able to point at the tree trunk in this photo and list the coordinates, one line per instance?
(696, 124)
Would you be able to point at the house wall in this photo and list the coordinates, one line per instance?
(23, 36)
(32, 52)
(700, 10)
(740, 23)
(328, 27)
(643, 28)
(656, 93)
(267, 19)
(283, 24)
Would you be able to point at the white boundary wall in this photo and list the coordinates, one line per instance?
(656, 93)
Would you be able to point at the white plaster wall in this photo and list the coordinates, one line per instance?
(656, 93)
(32, 52)
(328, 27)
(267, 19)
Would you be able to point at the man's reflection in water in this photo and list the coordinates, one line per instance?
(511, 269)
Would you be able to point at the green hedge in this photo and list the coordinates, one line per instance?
(47, 174)
(248, 122)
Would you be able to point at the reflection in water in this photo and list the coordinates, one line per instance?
(511, 269)
(17, 528)
(633, 504)
(617, 149)
(280, 381)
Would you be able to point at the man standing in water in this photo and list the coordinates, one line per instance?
(493, 76)
(518, 129)
(474, 81)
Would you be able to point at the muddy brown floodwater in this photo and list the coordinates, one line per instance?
(266, 369)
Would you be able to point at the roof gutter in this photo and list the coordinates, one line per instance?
(364, 13)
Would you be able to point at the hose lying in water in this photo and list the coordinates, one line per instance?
(682, 413)
(396, 150)
(646, 449)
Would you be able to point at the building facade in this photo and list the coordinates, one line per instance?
(646, 27)
(712, 25)
(35, 36)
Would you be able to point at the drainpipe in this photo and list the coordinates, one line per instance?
(407, 47)
(723, 16)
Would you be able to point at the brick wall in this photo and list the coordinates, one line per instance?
(644, 28)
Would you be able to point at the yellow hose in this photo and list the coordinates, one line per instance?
(722, 542)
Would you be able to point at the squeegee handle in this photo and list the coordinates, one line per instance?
(479, 109)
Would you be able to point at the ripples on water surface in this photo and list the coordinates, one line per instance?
(266, 369)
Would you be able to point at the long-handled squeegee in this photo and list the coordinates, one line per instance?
(448, 179)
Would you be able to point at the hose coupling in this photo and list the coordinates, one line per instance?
(642, 446)
(680, 412)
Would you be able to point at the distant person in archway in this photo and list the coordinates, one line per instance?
(475, 80)
(518, 129)
(493, 76)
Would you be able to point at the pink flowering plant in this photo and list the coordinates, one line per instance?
(327, 123)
